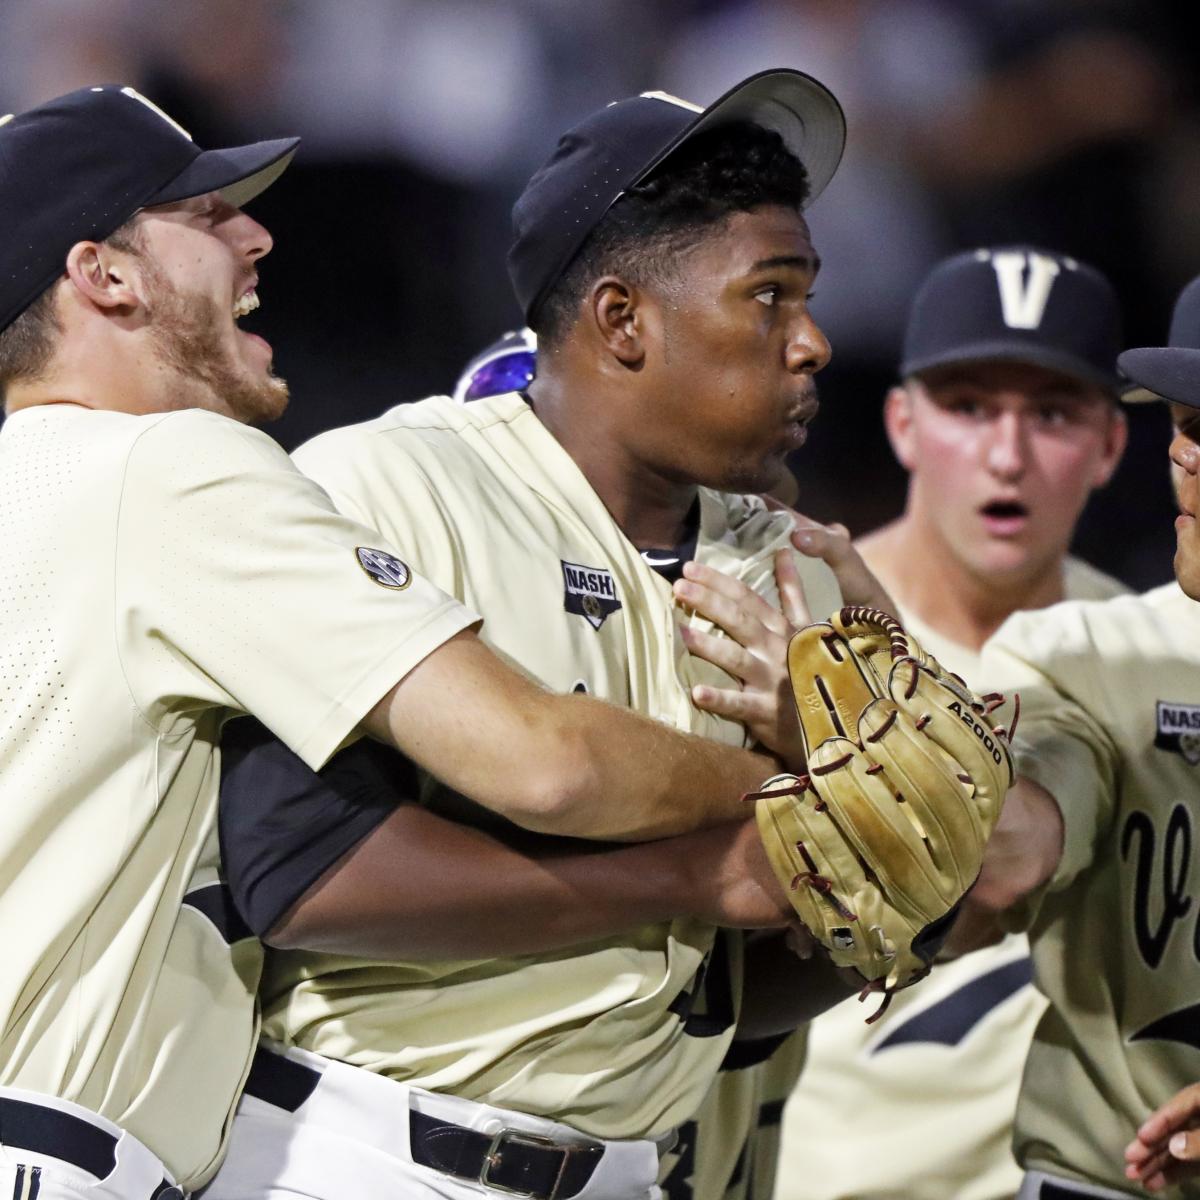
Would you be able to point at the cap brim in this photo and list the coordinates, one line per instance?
(239, 173)
(1038, 356)
(1169, 373)
(804, 112)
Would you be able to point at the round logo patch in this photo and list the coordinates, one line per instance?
(386, 569)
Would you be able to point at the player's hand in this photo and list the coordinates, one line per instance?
(832, 544)
(1166, 1150)
(754, 652)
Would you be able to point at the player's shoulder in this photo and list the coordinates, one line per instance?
(1097, 632)
(1082, 581)
(195, 442)
(429, 429)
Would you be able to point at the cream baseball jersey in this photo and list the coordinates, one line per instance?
(933, 1084)
(1110, 726)
(619, 1038)
(161, 573)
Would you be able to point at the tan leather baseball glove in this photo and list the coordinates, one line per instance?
(879, 841)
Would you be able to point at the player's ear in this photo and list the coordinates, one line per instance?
(898, 421)
(617, 311)
(1116, 437)
(102, 276)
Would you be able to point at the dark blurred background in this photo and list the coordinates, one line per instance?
(1069, 123)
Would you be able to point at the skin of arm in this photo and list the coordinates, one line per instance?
(423, 887)
(1166, 1150)
(561, 764)
(1022, 854)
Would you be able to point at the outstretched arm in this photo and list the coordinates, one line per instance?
(561, 764)
(345, 861)
(1022, 854)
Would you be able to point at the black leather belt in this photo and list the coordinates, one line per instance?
(513, 1162)
(510, 1161)
(55, 1134)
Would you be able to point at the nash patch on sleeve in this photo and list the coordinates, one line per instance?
(386, 569)
(589, 592)
(1177, 729)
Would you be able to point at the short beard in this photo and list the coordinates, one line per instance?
(187, 332)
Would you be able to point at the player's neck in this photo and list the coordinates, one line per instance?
(928, 581)
(650, 510)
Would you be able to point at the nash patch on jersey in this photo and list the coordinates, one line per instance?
(1178, 730)
(386, 569)
(589, 592)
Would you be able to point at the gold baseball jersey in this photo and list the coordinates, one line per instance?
(1110, 726)
(161, 573)
(620, 1037)
(933, 1084)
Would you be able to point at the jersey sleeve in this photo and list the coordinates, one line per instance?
(238, 584)
(284, 825)
(1050, 659)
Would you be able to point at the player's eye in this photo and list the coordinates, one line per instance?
(1053, 415)
(964, 406)
(768, 295)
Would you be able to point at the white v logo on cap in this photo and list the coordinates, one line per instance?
(1023, 300)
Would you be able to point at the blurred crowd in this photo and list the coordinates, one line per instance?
(1066, 123)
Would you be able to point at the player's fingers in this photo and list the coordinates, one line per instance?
(740, 622)
(1182, 1109)
(792, 600)
(743, 707)
(1185, 1147)
(832, 544)
(722, 652)
(745, 599)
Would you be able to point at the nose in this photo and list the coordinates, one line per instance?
(1006, 450)
(808, 348)
(245, 234)
(1185, 454)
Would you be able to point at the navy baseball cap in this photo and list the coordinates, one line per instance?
(78, 167)
(614, 149)
(1016, 304)
(1170, 372)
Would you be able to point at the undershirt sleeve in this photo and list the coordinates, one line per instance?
(283, 825)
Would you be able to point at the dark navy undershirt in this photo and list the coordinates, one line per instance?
(283, 825)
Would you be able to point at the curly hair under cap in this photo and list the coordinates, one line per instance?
(734, 168)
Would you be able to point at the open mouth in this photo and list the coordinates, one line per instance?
(246, 303)
(1005, 510)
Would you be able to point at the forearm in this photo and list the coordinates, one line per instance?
(559, 764)
(421, 887)
(1021, 856)
(1024, 849)
(783, 991)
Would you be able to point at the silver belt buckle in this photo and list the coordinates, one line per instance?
(516, 1137)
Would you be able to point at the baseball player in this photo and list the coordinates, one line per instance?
(675, 369)
(166, 567)
(1094, 852)
(1006, 418)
